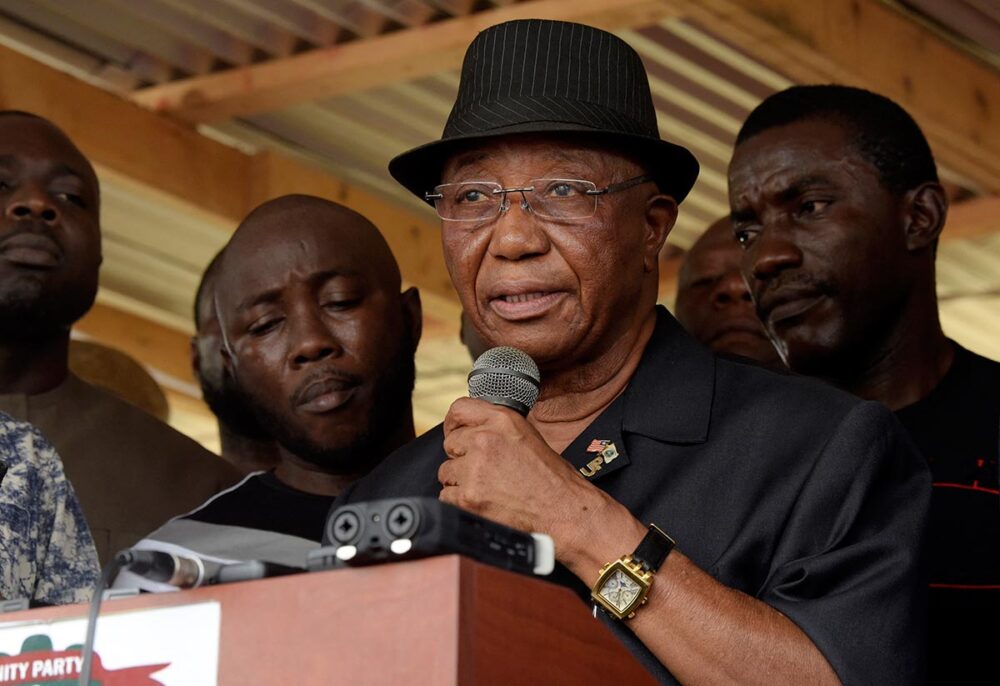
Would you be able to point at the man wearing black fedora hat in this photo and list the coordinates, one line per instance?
(795, 512)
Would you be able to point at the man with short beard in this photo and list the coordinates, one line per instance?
(243, 441)
(130, 470)
(319, 342)
(836, 200)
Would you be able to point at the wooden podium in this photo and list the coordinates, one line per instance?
(443, 620)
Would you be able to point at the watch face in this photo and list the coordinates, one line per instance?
(620, 590)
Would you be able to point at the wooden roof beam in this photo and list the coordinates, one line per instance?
(383, 60)
(972, 218)
(954, 97)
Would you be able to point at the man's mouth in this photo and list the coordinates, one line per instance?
(793, 308)
(31, 250)
(788, 303)
(741, 329)
(325, 395)
(516, 304)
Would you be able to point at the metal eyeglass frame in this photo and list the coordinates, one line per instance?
(526, 206)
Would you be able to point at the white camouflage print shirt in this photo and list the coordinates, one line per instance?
(46, 551)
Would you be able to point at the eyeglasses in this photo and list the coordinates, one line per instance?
(471, 201)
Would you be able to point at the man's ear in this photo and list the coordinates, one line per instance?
(925, 210)
(661, 214)
(228, 363)
(195, 357)
(413, 313)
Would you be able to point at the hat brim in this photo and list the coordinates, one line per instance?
(673, 167)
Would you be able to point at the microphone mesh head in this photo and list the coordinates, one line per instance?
(505, 376)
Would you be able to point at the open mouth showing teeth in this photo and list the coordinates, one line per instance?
(522, 306)
(523, 297)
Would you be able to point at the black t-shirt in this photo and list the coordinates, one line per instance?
(957, 428)
(262, 502)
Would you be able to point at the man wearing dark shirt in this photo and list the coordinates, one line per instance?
(795, 510)
(319, 342)
(835, 198)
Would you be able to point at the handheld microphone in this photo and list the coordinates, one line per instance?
(167, 568)
(506, 376)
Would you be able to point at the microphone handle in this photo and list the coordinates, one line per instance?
(156, 565)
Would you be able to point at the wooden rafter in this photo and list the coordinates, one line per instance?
(972, 218)
(955, 97)
(169, 162)
(379, 61)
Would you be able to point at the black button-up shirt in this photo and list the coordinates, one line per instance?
(799, 495)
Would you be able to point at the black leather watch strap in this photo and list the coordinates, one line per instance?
(653, 549)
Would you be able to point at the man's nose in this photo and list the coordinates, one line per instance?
(731, 289)
(517, 232)
(32, 203)
(773, 252)
(312, 339)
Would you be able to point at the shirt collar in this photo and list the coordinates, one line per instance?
(668, 399)
(670, 395)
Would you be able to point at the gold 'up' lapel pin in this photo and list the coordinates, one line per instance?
(607, 452)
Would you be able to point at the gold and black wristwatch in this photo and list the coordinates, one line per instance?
(623, 585)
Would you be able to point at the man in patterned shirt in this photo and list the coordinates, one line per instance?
(46, 552)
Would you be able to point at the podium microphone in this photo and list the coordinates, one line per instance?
(167, 568)
(506, 376)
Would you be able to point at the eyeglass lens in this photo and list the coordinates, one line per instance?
(549, 198)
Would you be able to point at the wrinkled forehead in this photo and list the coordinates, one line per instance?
(714, 258)
(28, 139)
(776, 156)
(564, 154)
(271, 256)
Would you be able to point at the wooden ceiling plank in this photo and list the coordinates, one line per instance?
(107, 20)
(245, 26)
(973, 218)
(298, 21)
(81, 64)
(220, 43)
(415, 241)
(173, 163)
(404, 12)
(455, 8)
(356, 20)
(953, 96)
(383, 60)
(690, 70)
(726, 54)
(51, 37)
(161, 347)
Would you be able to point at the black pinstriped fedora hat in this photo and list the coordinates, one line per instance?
(534, 75)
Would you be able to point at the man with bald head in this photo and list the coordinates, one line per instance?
(319, 342)
(130, 470)
(713, 302)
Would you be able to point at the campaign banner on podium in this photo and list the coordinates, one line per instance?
(173, 646)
